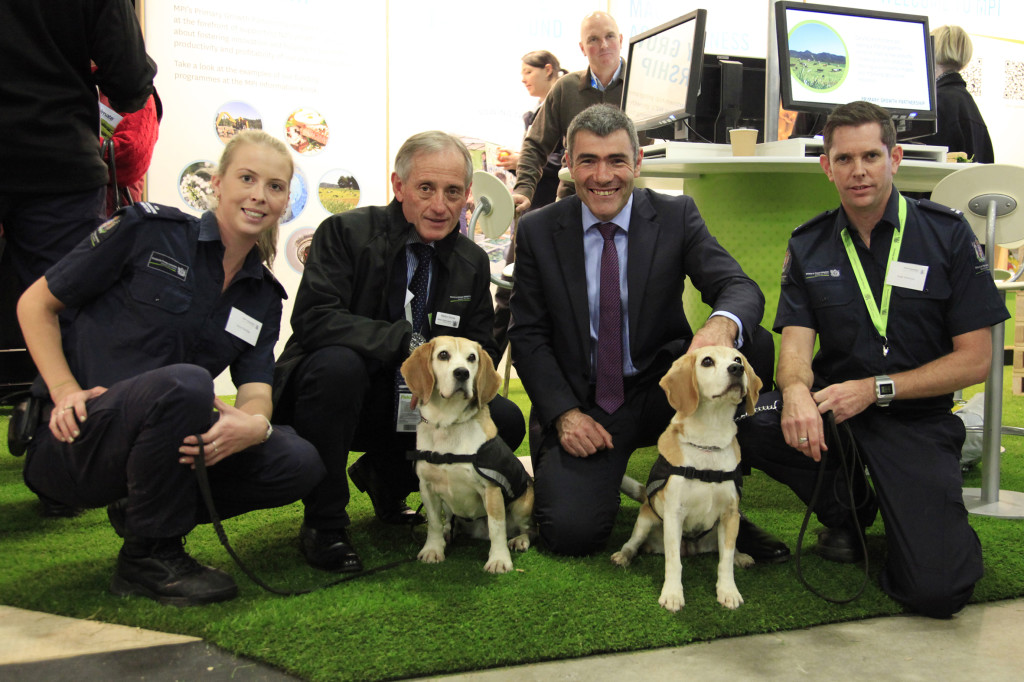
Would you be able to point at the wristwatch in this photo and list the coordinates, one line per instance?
(415, 341)
(885, 390)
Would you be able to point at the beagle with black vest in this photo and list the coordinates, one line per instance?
(465, 470)
(694, 484)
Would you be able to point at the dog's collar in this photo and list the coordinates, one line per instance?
(707, 475)
(705, 448)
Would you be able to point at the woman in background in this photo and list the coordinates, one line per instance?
(159, 303)
(961, 127)
(540, 71)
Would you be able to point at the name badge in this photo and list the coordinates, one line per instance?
(407, 418)
(243, 326)
(447, 320)
(906, 275)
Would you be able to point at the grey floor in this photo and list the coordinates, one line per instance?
(983, 642)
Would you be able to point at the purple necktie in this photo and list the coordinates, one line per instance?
(609, 328)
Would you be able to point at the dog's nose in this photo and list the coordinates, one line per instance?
(461, 373)
(736, 369)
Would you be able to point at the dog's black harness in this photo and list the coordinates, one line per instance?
(662, 469)
(495, 461)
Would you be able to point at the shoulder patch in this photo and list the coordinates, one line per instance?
(104, 231)
(785, 266)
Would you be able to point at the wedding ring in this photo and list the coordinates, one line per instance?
(69, 407)
(802, 439)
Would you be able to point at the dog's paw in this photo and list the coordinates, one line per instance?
(498, 564)
(672, 598)
(520, 543)
(729, 598)
(431, 555)
(622, 558)
(743, 560)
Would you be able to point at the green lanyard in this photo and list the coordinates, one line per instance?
(880, 318)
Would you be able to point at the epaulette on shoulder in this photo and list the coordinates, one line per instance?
(148, 211)
(929, 205)
(826, 217)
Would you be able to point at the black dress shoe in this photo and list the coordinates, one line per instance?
(52, 509)
(115, 514)
(761, 545)
(388, 507)
(161, 570)
(840, 544)
(329, 550)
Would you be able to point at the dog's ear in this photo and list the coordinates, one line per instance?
(680, 385)
(418, 373)
(753, 386)
(488, 381)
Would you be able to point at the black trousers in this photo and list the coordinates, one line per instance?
(129, 448)
(576, 498)
(339, 401)
(934, 556)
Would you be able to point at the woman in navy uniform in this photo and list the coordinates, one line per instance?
(154, 304)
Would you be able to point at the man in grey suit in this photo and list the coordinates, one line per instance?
(613, 258)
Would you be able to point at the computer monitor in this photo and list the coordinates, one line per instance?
(833, 55)
(732, 92)
(662, 72)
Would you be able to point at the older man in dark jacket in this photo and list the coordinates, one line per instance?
(379, 281)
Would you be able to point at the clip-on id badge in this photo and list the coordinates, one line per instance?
(406, 416)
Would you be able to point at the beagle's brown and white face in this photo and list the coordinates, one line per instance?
(450, 365)
(710, 373)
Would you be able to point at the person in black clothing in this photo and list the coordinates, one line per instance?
(379, 281)
(960, 126)
(52, 174)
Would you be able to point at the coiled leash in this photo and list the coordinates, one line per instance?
(849, 463)
(204, 490)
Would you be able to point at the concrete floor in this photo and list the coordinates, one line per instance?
(983, 642)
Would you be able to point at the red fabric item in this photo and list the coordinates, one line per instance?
(134, 139)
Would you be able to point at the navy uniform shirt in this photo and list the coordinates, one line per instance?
(143, 291)
(819, 291)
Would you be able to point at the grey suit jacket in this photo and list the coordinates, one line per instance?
(550, 329)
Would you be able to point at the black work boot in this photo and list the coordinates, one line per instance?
(161, 569)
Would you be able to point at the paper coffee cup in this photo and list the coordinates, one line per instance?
(743, 141)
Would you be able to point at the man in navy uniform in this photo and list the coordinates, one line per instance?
(899, 296)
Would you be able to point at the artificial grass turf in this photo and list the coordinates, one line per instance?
(419, 619)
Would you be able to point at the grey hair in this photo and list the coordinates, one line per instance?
(602, 120)
(431, 142)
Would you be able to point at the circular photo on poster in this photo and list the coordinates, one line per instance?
(297, 248)
(818, 58)
(298, 197)
(306, 131)
(234, 117)
(338, 191)
(195, 185)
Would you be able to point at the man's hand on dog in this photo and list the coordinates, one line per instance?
(719, 330)
(580, 435)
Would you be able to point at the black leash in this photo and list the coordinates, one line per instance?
(848, 466)
(204, 490)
